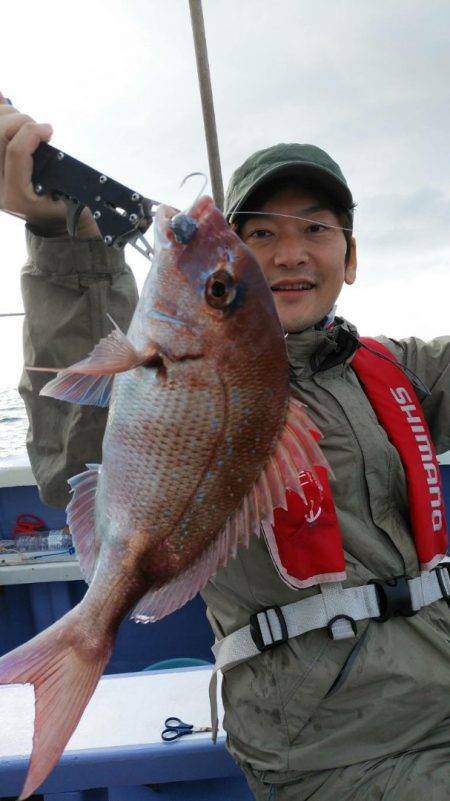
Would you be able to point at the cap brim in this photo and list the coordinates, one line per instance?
(324, 180)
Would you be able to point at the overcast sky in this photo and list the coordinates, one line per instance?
(369, 81)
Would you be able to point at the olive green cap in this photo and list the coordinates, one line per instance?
(304, 161)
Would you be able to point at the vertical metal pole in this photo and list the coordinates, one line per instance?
(209, 120)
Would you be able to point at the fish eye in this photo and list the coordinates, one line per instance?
(220, 289)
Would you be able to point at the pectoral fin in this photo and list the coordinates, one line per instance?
(75, 388)
(89, 381)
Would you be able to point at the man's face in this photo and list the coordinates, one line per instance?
(304, 262)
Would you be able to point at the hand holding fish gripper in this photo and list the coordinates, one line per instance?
(121, 214)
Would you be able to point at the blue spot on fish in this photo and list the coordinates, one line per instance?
(215, 424)
(235, 397)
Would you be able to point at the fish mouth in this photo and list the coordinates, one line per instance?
(175, 227)
(164, 214)
(183, 227)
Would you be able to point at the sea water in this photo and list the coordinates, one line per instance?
(13, 423)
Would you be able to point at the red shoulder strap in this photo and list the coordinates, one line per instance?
(394, 401)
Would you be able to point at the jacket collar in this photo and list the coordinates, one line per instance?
(313, 351)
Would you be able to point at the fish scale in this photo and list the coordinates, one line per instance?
(201, 443)
(147, 463)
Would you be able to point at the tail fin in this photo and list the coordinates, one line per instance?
(65, 669)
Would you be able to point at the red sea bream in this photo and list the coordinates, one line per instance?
(201, 443)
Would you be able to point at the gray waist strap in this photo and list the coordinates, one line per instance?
(334, 608)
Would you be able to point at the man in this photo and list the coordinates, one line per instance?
(348, 711)
(321, 718)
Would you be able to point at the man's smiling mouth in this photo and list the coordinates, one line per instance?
(300, 286)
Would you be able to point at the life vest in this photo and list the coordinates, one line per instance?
(305, 541)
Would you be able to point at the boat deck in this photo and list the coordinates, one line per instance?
(116, 753)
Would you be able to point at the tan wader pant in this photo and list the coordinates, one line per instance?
(412, 776)
(68, 287)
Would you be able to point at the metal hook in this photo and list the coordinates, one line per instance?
(205, 181)
(192, 175)
(183, 225)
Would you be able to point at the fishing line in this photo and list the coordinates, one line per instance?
(382, 230)
(291, 217)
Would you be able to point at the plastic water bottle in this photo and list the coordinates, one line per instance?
(55, 540)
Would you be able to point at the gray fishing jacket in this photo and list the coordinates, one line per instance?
(312, 703)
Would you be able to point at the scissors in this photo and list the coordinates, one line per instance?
(175, 728)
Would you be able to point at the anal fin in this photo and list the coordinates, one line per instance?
(81, 518)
